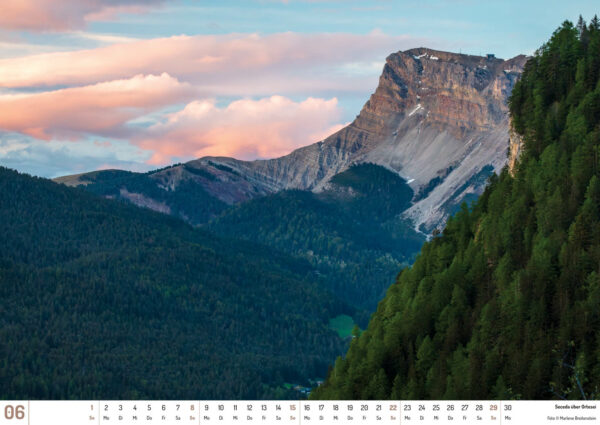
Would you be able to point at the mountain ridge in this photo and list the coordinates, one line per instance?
(440, 109)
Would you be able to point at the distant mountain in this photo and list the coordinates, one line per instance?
(437, 119)
(505, 304)
(102, 300)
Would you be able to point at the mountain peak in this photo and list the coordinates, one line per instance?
(414, 75)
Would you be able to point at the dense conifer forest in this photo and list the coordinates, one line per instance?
(506, 302)
(350, 232)
(103, 300)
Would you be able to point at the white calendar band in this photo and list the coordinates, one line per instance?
(270, 412)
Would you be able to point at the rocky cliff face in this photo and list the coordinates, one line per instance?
(453, 126)
(438, 119)
(515, 145)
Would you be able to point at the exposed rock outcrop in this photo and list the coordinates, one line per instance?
(515, 145)
(143, 201)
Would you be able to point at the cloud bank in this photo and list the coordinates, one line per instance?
(102, 108)
(62, 15)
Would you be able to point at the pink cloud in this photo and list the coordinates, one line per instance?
(245, 129)
(58, 15)
(102, 108)
(233, 64)
(111, 86)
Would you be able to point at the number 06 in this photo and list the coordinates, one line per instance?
(11, 412)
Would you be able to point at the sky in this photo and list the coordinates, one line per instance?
(140, 84)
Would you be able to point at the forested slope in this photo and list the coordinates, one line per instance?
(506, 302)
(350, 232)
(102, 300)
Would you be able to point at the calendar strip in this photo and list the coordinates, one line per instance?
(272, 412)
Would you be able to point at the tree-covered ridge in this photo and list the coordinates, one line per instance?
(349, 231)
(103, 300)
(376, 193)
(189, 201)
(506, 303)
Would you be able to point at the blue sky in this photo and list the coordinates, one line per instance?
(146, 83)
(506, 28)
